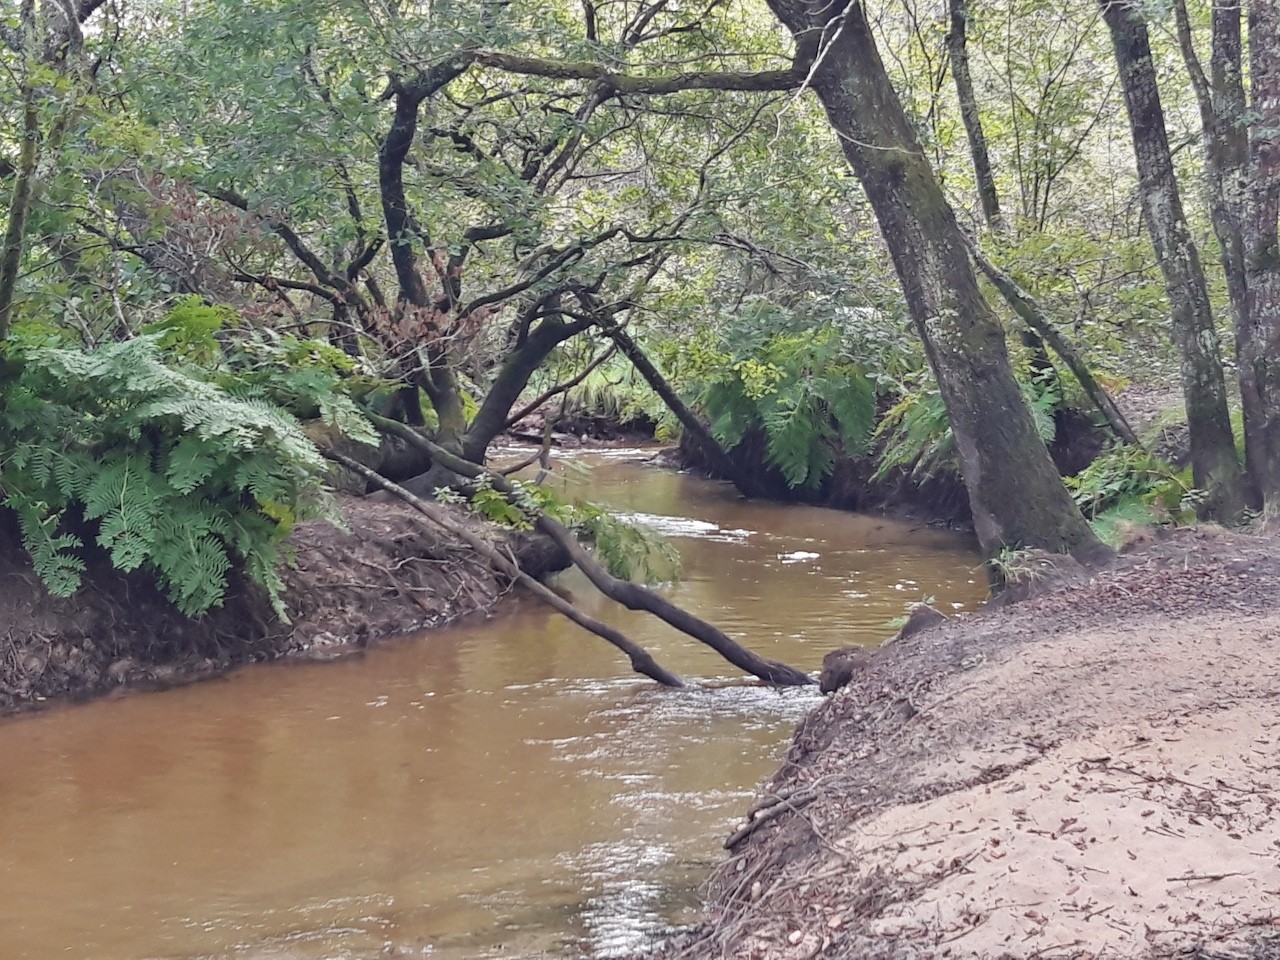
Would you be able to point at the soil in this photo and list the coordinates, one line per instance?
(385, 574)
(1091, 772)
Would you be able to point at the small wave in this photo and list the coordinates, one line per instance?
(670, 526)
(798, 556)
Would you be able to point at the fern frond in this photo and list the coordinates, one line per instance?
(51, 552)
(183, 476)
(852, 401)
(794, 431)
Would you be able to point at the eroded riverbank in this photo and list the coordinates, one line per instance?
(381, 573)
(1091, 773)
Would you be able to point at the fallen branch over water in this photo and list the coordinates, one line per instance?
(633, 596)
(641, 660)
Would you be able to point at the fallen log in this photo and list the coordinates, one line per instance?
(641, 660)
(633, 596)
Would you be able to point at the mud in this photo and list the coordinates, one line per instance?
(385, 574)
(1091, 772)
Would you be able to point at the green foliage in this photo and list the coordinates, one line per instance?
(497, 507)
(1129, 487)
(916, 436)
(1113, 524)
(1020, 564)
(180, 475)
(799, 385)
(629, 551)
(916, 433)
(309, 378)
(189, 330)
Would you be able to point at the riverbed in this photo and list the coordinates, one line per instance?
(500, 788)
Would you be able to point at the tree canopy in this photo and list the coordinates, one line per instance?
(765, 217)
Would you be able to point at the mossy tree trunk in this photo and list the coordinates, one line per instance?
(1260, 352)
(1214, 465)
(1017, 497)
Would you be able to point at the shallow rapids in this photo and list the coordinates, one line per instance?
(500, 788)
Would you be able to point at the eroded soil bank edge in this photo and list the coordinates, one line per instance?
(386, 574)
(1094, 772)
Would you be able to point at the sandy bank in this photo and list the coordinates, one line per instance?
(1091, 773)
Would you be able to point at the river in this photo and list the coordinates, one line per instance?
(503, 788)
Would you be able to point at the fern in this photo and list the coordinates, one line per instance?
(800, 388)
(1128, 473)
(628, 550)
(916, 432)
(52, 554)
(917, 437)
(184, 473)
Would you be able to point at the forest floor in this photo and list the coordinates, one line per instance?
(1090, 772)
(386, 574)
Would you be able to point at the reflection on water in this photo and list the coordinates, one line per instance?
(501, 788)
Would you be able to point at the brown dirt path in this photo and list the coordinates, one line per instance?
(1091, 773)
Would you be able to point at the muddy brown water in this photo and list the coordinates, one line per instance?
(501, 788)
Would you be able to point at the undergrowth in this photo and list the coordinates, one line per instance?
(800, 385)
(1127, 486)
(915, 433)
(178, 461)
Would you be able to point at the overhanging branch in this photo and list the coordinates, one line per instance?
(624, 83)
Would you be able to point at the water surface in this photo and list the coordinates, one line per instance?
(501, 788)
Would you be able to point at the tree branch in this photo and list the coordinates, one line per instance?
(560, 388)
(1026, 307)
(633, 596)
(623, 83)
(641, 660)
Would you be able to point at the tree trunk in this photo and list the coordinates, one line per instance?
(692, 424)
(1017, 497)
(1214, 464)
(1260, 359)
(19, 205)
(513, 376)
(1223, 118)
(437, 377)
(958, 53)
(24, 177)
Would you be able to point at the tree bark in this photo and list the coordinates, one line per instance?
(513, 376)
(1260, 354)
(1223, 119)
(1214, 464)
(958, 54)
(437, 379)
(1017, 497)
(1026, 307)
(641, 660)
(633, 596)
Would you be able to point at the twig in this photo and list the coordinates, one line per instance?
(1206, 876)
(792, 804)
